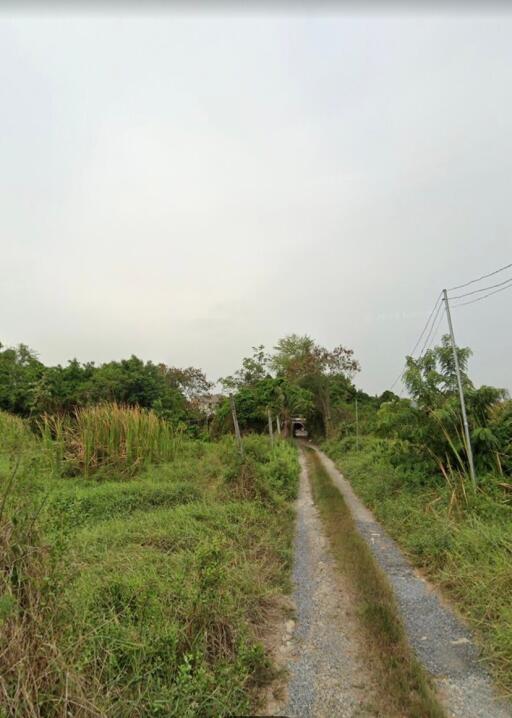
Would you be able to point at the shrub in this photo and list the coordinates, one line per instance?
(83, 505)
(110, 437)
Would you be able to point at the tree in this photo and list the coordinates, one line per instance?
(191, 382)
(28, 387)
(432, 377)
(20, 371)
(254, 369)
(325, 373)
(61, 389)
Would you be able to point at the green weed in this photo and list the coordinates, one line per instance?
(463, 541)
(141, 596)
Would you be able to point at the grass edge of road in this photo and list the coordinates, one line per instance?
(408, 688)
(460, 541)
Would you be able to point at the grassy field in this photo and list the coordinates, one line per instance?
(462, 540)
(139, 594)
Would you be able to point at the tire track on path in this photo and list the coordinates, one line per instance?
(441, 641)
(329, 676)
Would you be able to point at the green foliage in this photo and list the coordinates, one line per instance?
(141, 597)
(274, 393)
(14, 433)
(301, 378)
(20, 371)
(29, 388)
(461, 539)
(429, 426)
(325, 373)
(432, 377)
(265, 473)
(300, 357)
(72, 505)
(109, 438)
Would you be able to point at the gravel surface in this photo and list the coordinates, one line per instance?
(440, 639)
(328, 676)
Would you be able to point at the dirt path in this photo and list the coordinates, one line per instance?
(443, 644)
(328, 675)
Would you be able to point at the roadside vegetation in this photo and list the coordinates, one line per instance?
(406, 457)
(126, 509)
(409, 465)
(140, 581)
(408, 691)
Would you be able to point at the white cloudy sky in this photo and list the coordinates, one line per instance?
(184, 187)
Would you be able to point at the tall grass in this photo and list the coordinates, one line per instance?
(109, 436)
(142, 598)
(14, 433)
(34, 676)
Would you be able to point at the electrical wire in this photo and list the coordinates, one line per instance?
(478, 299)
(400, 376)
(479, 279)
(435, 323)
(433, 333)
(420, 337)
(428, 322)
(483, 289)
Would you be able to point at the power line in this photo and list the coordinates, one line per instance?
(479, 299)
(483, 289)
(433, 331)
(438, 315)
(478, 279)
(400, 376)
(432, 335)
(428, 322)
(419, 338)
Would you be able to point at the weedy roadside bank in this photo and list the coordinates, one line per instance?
(461, 540)
(144, 594)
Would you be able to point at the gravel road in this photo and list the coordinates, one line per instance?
(328, 675)
(440, 639)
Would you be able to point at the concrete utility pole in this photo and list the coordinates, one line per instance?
(235, 424)
(357, 426)
(270, 431)
(469, 449)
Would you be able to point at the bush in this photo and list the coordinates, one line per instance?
(266, 472)
(109, 437)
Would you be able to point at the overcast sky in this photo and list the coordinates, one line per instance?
(185, 187)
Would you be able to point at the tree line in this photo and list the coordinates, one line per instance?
(297, 377)
(28, 388)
